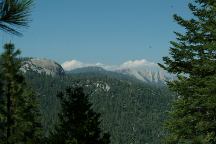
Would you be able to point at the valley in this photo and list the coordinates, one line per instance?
(132, 111)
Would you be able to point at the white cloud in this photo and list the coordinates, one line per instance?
(73, 64)
(135, 64)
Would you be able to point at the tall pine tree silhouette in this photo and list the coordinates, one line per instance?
(19, 116)
(192, 118)
(78, 123)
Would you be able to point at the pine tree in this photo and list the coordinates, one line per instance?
(192, 118)
(2, 105)
(19, 116)
(78, 123)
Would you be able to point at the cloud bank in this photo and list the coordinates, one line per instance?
(131, 64)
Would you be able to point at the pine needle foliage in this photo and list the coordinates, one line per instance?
(14, 14)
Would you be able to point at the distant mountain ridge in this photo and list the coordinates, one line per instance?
(150, 73)
(88, 69)
(142, 69)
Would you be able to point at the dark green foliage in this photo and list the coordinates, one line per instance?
(77, 120)
(193, 59)
(131, 111)
(13, 14)
(19, 116)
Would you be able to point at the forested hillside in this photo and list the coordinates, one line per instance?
(132, 111)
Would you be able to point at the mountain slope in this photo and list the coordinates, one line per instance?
(147, 74)
(150, 72)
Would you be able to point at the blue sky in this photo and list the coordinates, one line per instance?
(106, 31)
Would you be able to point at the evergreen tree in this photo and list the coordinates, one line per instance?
(192, 118)
(19, 116)
(78, 123)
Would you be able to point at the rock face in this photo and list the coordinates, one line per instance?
(46, 66)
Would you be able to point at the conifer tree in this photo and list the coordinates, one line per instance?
(78, 123)
(19, 116)
(192, 118)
